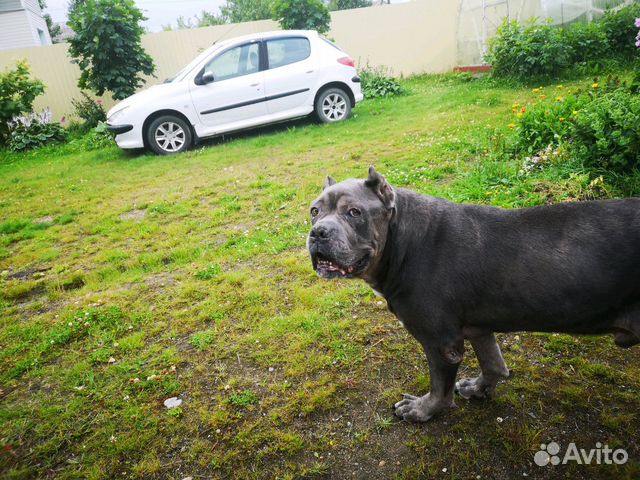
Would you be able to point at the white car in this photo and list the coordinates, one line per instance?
(237, 84)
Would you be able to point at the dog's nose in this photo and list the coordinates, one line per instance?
(320, 231)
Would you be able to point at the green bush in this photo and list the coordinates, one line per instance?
(598, 125)
(620, 31)
(17, 93)
(33, 131)
(547, 122)
(89, 110)
(526, 51)
(378, 83)
(606, 133)
(586, 42)
(301, 15)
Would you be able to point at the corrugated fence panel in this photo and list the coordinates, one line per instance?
(408, 38)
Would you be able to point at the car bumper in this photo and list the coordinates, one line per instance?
(127, 136)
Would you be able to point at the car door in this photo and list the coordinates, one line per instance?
(291, 75)
(235, 97)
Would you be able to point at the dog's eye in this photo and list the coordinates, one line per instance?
(314, 211)
(354, 212)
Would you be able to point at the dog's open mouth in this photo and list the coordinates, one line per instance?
(330, 269)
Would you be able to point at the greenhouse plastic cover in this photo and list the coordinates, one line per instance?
(479, 19)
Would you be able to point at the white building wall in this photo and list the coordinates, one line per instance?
(38, 23)
(22, 25)
(10, 5)
(32, 5)
(16, 31)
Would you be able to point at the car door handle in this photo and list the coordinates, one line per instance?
(254, 84)
(310, 71)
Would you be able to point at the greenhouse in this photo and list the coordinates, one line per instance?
(479, 19)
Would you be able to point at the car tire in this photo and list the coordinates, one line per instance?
(333, 105)
(168, 135)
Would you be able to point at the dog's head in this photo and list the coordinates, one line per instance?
(350, 223)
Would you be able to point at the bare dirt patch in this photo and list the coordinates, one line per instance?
(133, 215)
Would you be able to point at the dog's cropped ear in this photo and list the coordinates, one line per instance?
(328, 182)
(381, 187)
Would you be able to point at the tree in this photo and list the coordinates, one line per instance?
(301, 15)
(347, 4)
(237, 11)
(208, 19)
(54, 29)
(107, 46)
(73, 5)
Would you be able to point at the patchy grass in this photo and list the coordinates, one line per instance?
(129, 278)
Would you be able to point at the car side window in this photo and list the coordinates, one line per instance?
(235, 62)
(283, 51)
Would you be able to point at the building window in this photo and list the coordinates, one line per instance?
(43, 39)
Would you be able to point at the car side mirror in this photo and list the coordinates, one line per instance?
(207, 77)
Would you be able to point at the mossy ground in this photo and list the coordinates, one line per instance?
(130, 278)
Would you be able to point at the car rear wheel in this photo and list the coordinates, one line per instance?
(333, 105)
(168, 135)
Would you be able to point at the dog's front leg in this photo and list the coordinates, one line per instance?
(444, 359)
(492, 368)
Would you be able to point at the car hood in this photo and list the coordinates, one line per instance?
(144, 97)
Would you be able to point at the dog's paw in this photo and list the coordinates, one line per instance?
(469, 388)
(419, 409)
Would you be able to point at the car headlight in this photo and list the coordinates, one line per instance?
(113, 118)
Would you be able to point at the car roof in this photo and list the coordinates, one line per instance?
(265, 35)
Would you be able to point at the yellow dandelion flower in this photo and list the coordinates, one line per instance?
(523, 109)
(543, 97)
(511, 125)
(575, 112)
(519, 114)
(535, 90)
(595, 85)
(515, 105)
(562, 119)
(559, 99)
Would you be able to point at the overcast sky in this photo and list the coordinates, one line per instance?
(159, 12)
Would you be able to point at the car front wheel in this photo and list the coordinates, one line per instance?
(168, 135)
(333, 105)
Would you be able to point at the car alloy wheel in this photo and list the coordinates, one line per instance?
(333, 106)
(168, 135)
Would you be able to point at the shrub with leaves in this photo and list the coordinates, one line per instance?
(89, 110)
(618, 27)
(586, 42)
(301, 15)
(376, 82)
(107, 46)
(599, 125)
(34, 130)
(527, 50)
(17, 93)
(606, 133)
(547, 121)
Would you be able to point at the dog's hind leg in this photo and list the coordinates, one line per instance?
(492, 366)
(627, 327)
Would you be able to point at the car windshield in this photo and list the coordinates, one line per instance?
(192, 64)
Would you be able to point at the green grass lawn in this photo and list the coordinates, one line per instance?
(129, 278)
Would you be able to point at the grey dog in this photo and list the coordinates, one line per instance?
(451, 272)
